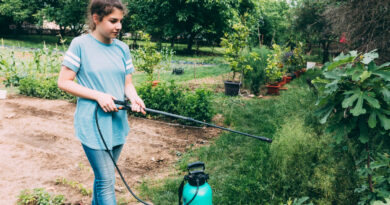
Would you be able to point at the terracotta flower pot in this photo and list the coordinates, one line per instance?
(155, 83)
(281, 83)
(297, 74)
(287, 79)
(273, 89)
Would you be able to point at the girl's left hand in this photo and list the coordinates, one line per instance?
(137, 105)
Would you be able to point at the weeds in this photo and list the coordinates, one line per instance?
(39, 196)
(75, 185)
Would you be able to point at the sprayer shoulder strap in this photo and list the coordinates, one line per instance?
(180, 191)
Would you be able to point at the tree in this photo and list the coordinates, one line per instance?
(186, 20)
(69, 14)
(273, 21)
(19, 11)
(311, 24)
(365, 22)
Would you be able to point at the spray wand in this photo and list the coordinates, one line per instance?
(127, 106)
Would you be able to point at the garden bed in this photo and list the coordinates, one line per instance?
(38, 146)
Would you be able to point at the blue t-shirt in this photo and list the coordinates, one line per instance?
(101, 67)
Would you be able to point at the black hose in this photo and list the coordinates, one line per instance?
(196, 193)
(112, 158)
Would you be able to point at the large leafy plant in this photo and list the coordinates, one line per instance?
(354, 98)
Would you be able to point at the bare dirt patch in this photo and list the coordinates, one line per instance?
(38, 146)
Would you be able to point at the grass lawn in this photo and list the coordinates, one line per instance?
(191, 72)
(206, 54)
(32, 41)
(238, 164)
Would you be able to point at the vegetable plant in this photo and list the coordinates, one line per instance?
(39, 196)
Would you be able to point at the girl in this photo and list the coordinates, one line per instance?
(103, 68)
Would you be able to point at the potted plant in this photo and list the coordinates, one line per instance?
(294, 60)
(234, 44)
(275, 70)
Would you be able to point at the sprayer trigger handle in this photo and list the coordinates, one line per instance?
(119, 102)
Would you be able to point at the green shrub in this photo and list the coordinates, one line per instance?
(354, 101)
(39, 196)
(303, 164)
(43, 87)
(174, 99)
(256, 77)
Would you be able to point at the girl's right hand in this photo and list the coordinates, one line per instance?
(106, 102)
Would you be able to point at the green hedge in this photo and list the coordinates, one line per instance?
(43, 87)
(178, 100)
(165, 97)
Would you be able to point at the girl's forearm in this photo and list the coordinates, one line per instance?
(130, 91)
(78, 90)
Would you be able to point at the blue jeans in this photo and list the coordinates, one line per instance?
(104, 170)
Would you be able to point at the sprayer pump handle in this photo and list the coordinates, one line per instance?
(195, 165)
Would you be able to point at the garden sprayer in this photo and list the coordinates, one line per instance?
(197, 191)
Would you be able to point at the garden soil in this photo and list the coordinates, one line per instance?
(38, 147)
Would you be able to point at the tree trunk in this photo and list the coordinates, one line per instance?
(368, 167)
(325, 51)
(190, 42)
(259, 35)
(172, 42)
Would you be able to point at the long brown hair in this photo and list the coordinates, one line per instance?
(103, 8)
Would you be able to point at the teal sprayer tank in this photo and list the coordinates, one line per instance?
(197, 191)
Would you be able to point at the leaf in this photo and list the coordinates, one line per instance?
(356, 75)
(325, 112)
(358, 109)
(372, 66)
(332, 75)
(348, 59)
(372, 120)
(365, 75)
(387, 112)
(332, 87)
(383, 74)
(353, 53)
(372, 101)
(386, 94)
(349, 101)
(385, 122)
(370, 56)
(384, 65)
